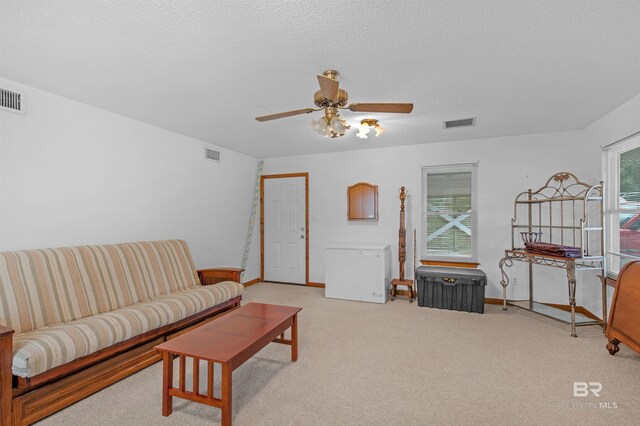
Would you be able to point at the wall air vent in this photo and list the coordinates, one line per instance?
(460, 123)
(212, 154)
(12, 101)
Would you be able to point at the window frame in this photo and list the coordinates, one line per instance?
(612, 210)
(450, 168)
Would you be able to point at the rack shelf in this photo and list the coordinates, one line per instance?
(553, 312)
(565, 211)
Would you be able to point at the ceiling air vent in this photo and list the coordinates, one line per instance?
(212, 154)
(460, 123)
(12, 101)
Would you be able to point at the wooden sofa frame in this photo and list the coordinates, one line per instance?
(623, 326)
(25, 401)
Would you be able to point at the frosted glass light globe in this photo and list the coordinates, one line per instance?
(363, 131)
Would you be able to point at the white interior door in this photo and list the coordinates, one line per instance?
(284, 230)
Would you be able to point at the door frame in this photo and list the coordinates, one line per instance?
(305, 175)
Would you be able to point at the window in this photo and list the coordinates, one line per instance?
(622, 177)
(449, 213)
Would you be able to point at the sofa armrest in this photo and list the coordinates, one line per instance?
(215, 275)
(6, 377)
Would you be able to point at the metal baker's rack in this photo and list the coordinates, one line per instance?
(564, 211)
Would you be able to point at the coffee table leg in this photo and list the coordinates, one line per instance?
(167, 383)
(227, 384)
(294, 339)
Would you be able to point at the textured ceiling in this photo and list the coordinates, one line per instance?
(206, 68)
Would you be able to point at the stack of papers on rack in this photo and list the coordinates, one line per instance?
(553, 249)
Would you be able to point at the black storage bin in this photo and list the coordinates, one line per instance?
(458, 289)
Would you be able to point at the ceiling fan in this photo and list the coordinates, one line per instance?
(332, 98)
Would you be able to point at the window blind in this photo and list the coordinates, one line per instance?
(622, 175)
(448, 211)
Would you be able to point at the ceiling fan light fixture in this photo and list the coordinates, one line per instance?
(319, 126)
(331, 98)
(366, 125)
(339, 125)
(333, 128)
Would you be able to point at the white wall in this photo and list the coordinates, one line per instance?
(507, 166)
(614, 126)
(74, 174)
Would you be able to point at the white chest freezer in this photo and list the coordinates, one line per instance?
(358, 272)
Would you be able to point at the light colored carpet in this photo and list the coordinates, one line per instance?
(398, 364)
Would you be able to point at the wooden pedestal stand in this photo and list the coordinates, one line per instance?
(402, 254)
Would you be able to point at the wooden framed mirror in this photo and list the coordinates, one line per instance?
(362, 201)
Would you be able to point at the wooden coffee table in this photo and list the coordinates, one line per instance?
(230, 341)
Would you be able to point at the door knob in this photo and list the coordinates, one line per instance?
(302, 237)
(302, 229)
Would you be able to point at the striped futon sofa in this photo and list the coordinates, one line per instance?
(74, 320)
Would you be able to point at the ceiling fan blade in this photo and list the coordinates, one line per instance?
(328, 87)
(398, 108)
(285, 114)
